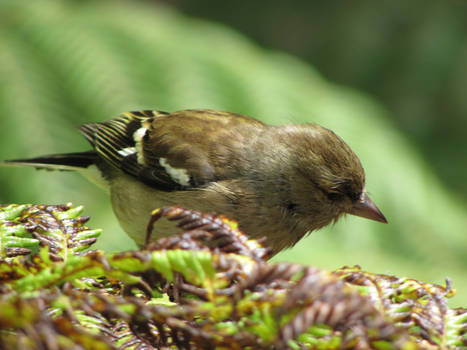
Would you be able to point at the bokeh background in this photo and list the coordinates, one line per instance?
(390, 77)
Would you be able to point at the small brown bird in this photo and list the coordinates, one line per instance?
(279, 182)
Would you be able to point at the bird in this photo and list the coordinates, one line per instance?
(280, 182)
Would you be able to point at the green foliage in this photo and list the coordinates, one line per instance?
(209, 287)
(22, 229)
(63, 63)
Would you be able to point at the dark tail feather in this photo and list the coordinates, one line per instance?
(67, 161)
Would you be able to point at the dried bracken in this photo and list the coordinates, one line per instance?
(209, 287)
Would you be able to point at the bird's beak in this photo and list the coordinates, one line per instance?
(367, 209)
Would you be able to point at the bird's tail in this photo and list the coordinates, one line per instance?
(64, 162)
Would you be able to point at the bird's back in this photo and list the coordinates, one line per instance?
(176, 151)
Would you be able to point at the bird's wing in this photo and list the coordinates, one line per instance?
(176, 151)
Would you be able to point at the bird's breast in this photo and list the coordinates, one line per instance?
(133, 203)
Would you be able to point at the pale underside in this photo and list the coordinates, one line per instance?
(133, 202)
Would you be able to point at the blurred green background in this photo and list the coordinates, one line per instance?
(389, 77)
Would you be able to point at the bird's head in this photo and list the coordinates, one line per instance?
(328, 179)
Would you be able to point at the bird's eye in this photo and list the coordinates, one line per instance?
(291, 206)
(335, 196)
(354, 196)
(350, 192)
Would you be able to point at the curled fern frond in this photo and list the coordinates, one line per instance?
(222, 233)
